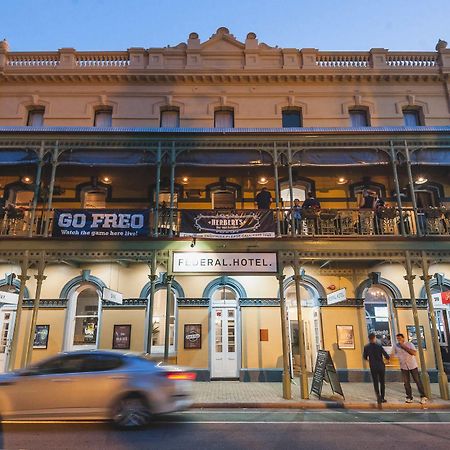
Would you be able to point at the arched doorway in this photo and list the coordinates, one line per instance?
(83, 318)
(309, 297)
(159, 321)
(224, 332)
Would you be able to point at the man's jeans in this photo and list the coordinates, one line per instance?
(416, 378)
(378, 382)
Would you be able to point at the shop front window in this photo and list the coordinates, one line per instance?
(86, 318)
(378, 309)
(159, 321)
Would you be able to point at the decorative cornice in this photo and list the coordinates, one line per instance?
(127, 303)
(199, 301)
(47, 303)
(354, 302)
(259, 301)
(422, 303)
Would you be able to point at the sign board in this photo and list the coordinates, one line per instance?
(437, 299)
(228, 224)
(121, 337)
(9, 297)
(337, 296)
(112, 296)
(101, 223)
(193, 336)
(325, 370)
(212, 262)
(441, 298)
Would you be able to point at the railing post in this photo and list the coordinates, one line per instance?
(409, 277)
(411, 190)
(51, 188)
(397, 189)
(40, 277)
(172, 188)
(157, 189)
(277, 188)
(150, 304)
(23, 277)
(37, 186)
(169, 279)
(442, 376)
(287, 394)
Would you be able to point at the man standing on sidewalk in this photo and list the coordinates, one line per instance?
(406, 353)
(374, 352)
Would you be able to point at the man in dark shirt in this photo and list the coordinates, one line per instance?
(263, 199)
(311, 202)
(374, 352)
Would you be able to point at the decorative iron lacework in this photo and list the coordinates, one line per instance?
(46, 303)
(421, 303)
(358, 302)
(259, 301)
(185, 301)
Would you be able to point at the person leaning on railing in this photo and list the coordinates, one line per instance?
(310, 211)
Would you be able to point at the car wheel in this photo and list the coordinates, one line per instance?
(131, 412)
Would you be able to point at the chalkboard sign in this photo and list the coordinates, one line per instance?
(325, 370)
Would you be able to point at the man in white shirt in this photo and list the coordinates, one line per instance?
(406, 353)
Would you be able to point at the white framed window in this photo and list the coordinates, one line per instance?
(36, 117)
(359, 118)
(170, 118)
(103, 118)
(159, 322)
(224, 118)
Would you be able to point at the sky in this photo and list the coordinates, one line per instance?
(36, 25)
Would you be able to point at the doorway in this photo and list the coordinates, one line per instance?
(224, 333)
(7, 317)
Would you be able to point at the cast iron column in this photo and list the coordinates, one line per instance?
(397, 189)
(291, 190)
(150, 305)
(157, 189)
(172, 188)
(411, 190)
(37, 185)
(169, 279)
(277, 189)
(51, 189)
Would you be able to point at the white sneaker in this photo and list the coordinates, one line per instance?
(408, 400)
(424, 400)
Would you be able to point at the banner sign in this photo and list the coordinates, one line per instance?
(98, 223)
(234, 224)
(211, 262)
(441, 298)
(112, 296)
(337, 296)
(9, 297)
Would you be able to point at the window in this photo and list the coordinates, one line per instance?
(224, 199)
(94, 198)
(36, 117)
(224, 118)
(359, 118)
(103, 118)
(86, 318)
(412, 117)
(291, 118)
(159, 321)
(170, 118)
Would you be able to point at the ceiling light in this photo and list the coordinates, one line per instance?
(421, 180)
(342, 180)
(27, 180)
(106, 180)
(185, 180)
(263, 180)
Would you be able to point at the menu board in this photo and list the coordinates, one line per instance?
(325, 370)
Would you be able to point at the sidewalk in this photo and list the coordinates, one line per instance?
(235, 394)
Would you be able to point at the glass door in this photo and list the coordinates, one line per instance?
(6, 335)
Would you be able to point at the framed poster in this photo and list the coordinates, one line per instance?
(412, 337)
(345, 336)
(193, 336)
(121, 337)
(41, 336)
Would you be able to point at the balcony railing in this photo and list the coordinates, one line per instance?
(323, 223)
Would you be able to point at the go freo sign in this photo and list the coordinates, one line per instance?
(101, 223)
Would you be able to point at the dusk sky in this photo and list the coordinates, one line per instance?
(327, 24)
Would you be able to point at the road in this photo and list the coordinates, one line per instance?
(245, 429)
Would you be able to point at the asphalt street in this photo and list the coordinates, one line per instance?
(245, 429)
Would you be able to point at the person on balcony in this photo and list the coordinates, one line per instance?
(295, 214)
(368, 200)
(311, 202)
(310, 211)
(263, 199)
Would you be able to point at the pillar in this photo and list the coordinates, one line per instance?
(51, 189)
(397, 189)
(150, 304)
(169, 279)
(37, 185)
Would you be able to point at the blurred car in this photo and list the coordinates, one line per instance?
(124, 388)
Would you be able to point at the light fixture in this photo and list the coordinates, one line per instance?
(26, 180)
(342, 180)
(194, 241)
(262, 180)
(421, 180)
(185, 180)
(106, 180)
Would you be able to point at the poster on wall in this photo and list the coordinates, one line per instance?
(229, 224)
(193, 336)
(121, 337)
(41, 336)
(412, 336)
(345, 336)
(101, 223)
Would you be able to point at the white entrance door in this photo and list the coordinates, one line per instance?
(224, 348)
(6, 335)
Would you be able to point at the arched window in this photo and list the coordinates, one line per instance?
(170, 117)
(159, 321)
(36, 117)
(224, 118)
(224, 296)
(291, 118)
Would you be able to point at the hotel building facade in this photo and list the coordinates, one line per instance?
(128, 182)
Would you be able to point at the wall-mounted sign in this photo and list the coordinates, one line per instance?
(337, 296)
(441, 298)
(121, 337)
(9, 297)
(193, 336)
(211, 262)
(112, 296)
(101, 223)
(345, 336)
(234, 224)
(41, 336)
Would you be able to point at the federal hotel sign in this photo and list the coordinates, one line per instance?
(212, 262)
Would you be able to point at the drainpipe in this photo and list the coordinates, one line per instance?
(411, 190)
(51, 189)
(169, 279)
(291, 189)
(150, 304)
(304, 391)
(172, 188)
(37, 185)
(409, 277)
(397, 189)
(442, 376)
(284, 339)
(23, 277)
(277, 188)
(157, 189)
(40, 277)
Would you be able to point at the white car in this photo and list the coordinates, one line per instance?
(124, 388)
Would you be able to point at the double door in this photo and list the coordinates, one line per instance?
(224, 362)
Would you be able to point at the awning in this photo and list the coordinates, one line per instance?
(106, 157)
(17, 156)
